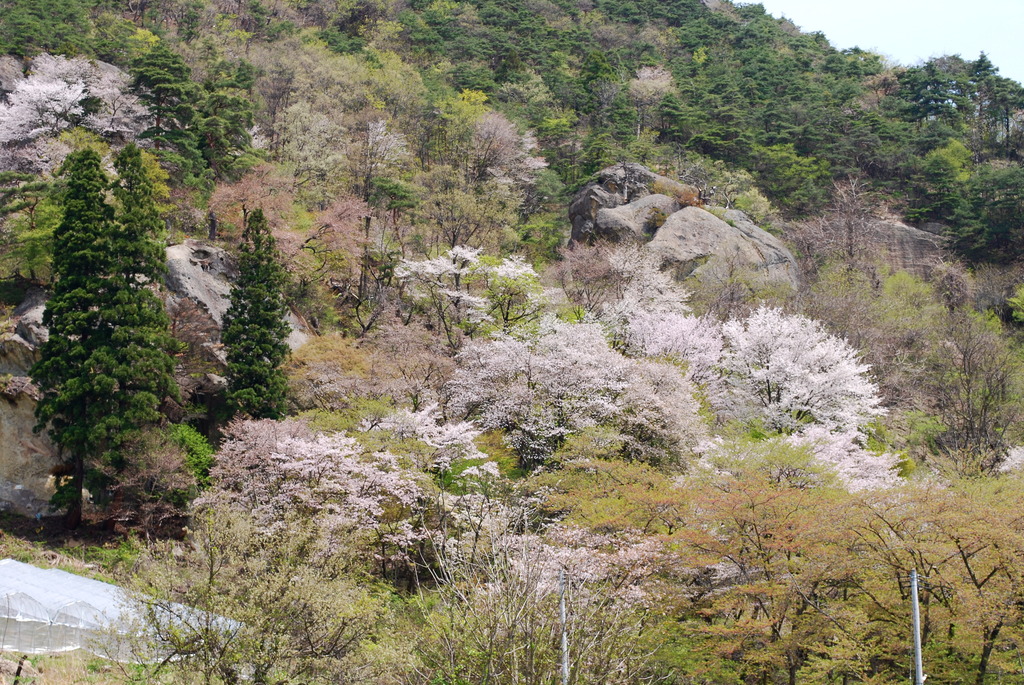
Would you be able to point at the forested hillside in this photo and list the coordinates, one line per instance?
(384, 327)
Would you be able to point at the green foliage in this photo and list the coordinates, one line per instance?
(278, 615)
(28, 27)
(163, 83)
(198, 451)
(993, 225)
(19, 192)
(35, 211)
(105, 368)
(223, 120)
(201, 131)
(27, 252)
(940, 192)
(254, 327)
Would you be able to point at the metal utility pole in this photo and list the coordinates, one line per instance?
(918, 670)
(565, 635)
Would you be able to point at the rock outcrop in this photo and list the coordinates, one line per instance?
(616, 186)
(639, 219)
(19, 348)
(630, 202)
(695, 242)
(26, 458)
(11, 71)
(202, 274)
(907, 248)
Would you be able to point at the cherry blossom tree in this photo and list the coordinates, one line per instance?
(378, 151)
(565, 379)
(647, 90)
(617, 283)
(274, 470)
(815, 456)
(586, 276)
(498, 619)
(787, 371)
(411, 364)
(643, 288)
(842, 452)
(696, 341)
(542, 390)
(55, 96)
(38, 107)
(450, 442)
(465, 293)
(499, 151)
(442, 288)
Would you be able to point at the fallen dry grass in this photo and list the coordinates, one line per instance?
(72, 668)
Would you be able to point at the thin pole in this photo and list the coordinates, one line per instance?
(565, 636)
(918, 670)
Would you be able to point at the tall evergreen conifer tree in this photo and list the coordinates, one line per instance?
(105, 368)
(141, 327)
(255, 328)
(162, 81)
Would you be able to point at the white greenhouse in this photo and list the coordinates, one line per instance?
(45, 611)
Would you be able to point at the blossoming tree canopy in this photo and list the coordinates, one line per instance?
(788, 371)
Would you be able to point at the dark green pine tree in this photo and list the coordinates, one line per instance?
(105, 368)
(163, 82)
(254, 327)
(19, 191)
(141, 336)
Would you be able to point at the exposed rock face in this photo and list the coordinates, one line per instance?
(26, 458)
(621, 205)
(11, 71)
(696, 242)
(198, 286)
(203, 274)
(616, 186)
(907, 248)
(19, 347)
(638, 219)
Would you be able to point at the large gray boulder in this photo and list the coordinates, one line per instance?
(638, 220)
(695, 242)
(629, 202)
(203, 274)
(614, 187)
(25, 333)
(27, 458)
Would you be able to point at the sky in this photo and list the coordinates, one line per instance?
(910, 31)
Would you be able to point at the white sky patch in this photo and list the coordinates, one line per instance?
(911, 31)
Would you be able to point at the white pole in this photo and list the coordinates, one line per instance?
(918, 670)
(565, 636)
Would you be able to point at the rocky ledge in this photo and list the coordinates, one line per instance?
(631, 202)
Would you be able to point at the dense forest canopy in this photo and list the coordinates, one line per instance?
(732, 474)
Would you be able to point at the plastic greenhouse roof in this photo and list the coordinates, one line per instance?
(49, 610)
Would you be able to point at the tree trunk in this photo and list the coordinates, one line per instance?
(73, 516)
(986, 652)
